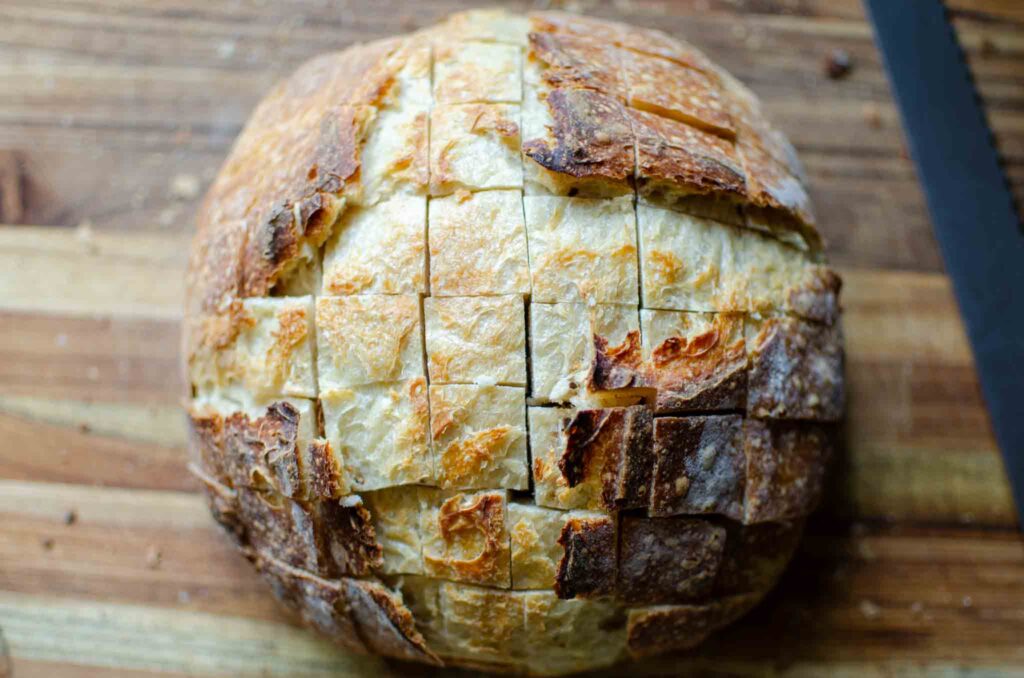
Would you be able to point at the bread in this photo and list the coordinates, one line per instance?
(512, 345)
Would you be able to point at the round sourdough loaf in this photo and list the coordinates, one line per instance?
(511, 345)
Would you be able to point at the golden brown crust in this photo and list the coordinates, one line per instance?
(279, 528)
(677, 92)
(246, 232)
(347, 540)
(698, 466)
(263, 452)
(668, 560)
(611, 448)
(587, 568)
(785, 472)
(573, 61)
(796, 370)
(327, 479)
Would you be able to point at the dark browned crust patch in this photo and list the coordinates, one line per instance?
(573, 61)
(698, 466)
(756, 555)
(331, 158)
(223, 504)
(617, 367)
(668, 628)
(673, 157)
(668, 560)
(325, 474)
(262, 453)
(318, 602)
(280, 528)
(592, 138)
(796, 371)
(348, 541)
(786, 464)
(587, 569)
(385, 624)
(613, 444)
(707, 372)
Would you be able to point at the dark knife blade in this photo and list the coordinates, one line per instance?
(971, 207)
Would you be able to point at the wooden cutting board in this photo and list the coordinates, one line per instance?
(114, 115)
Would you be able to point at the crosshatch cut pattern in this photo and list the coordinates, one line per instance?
(505, 353)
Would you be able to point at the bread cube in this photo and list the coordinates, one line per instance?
(380, 431)
(479, 436)
(696, 361)
(563, 340)
(368, 339)
(478, 245)
(476, 339)
(474, 147)
(379, 249)
(582, 249)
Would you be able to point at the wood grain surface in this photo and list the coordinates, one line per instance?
(114, 116)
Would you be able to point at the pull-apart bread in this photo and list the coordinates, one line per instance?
(511, 345)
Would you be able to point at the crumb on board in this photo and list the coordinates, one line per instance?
(838, 64)
(153, 557)
(869, 609)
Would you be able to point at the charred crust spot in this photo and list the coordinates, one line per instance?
(582, 433)
(587, 568)
(592, 137)
(612, 447)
